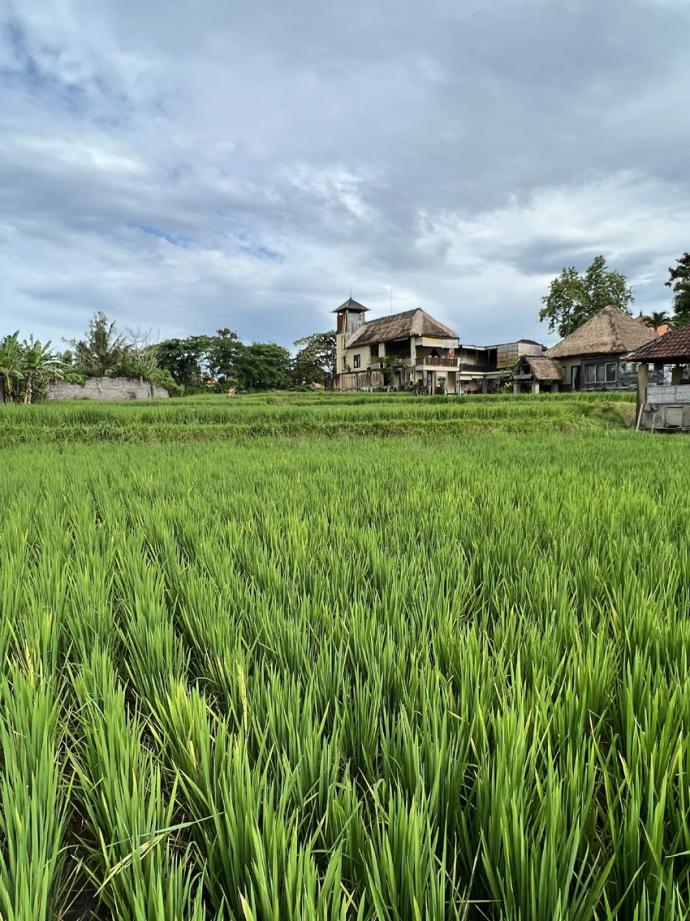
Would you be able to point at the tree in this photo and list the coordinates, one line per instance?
(38, 365)
(101, 352)
(679, 283)
(10, 366)
(264, 366)
(223, 356)
(185, 359)
(315, 360)
(141, 359)
(574, 298)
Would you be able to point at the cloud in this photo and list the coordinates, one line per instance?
(196, 166)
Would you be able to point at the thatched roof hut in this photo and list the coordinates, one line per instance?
(534, 372)
(541, 368)
(610, 332)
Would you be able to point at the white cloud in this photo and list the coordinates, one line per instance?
(191, 166)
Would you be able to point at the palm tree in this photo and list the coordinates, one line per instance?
(102, 350)
(39, 365)
(10, 365)
(655, 319)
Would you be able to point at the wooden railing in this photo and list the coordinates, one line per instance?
(428, 361)
(389, 361)
(436, 361)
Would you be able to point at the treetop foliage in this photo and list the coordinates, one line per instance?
(575, 297)
(679, 283)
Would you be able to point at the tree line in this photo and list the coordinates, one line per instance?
(222, 361)
(196, 363)
(575, 297)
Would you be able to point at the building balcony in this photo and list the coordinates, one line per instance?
(389, 361)
(435, 361)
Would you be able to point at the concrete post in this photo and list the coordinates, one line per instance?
(642, 381)
(485, 385)
(516, 387)
(535, 386)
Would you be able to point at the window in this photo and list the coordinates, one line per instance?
(604, 373)
(375, 351)
(356, 361)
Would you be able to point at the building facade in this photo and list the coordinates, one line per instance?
(487, 368)
(409, 350)
(413, 351)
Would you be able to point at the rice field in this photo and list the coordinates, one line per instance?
(217, 418)
(443, 675)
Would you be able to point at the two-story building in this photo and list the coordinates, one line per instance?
(404, 350)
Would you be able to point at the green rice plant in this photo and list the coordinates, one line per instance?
(304, 675)
(129, 844)
(33, 798)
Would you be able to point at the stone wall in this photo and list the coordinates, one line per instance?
(106, 388)
(667, 408)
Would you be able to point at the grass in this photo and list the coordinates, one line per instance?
(406, 677)
(209, 418)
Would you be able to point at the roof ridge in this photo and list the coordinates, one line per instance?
(611, 317)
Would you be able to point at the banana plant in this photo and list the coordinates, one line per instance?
(38, 365)
(10, 366)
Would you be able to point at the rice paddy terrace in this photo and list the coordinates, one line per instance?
(331, 657)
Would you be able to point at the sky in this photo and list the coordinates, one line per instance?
(185, 166)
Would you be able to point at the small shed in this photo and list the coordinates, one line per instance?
(533, 373)
(664, 407)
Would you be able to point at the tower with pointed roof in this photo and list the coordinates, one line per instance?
(349, 317)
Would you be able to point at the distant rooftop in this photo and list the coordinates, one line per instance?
(500, 345)
(672, 347)
(351, 304)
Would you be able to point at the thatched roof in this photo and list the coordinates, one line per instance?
(351, 304)
(673, 347)
(542, 368)
(610, 332)
(400, 326)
